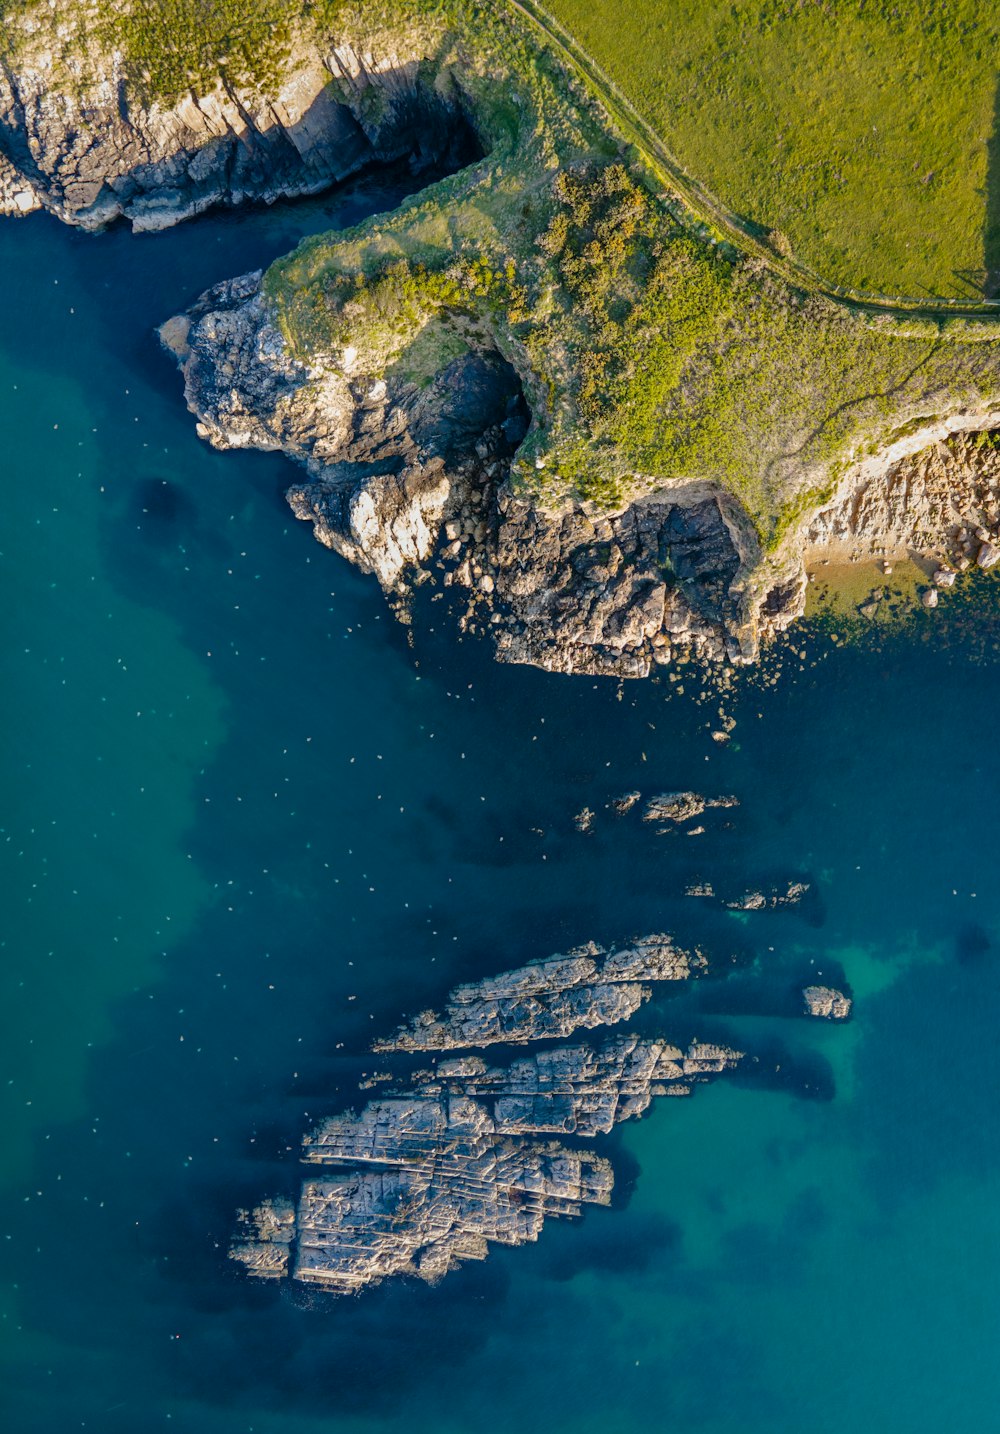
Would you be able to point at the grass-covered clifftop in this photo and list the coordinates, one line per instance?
(652, 350)
(865, 131)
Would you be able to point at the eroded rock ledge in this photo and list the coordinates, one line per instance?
(406, 479)
(425, 1179)
(95, 153)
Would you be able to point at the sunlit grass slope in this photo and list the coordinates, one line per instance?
(861, 129)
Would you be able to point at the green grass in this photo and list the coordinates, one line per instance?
(650, 353)
(861, 130)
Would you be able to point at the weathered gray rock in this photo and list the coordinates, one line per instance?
(92, 153)
(548, 998)
(398, 473)
(580, 1089)
(417, 1184)
(680, 807)
(429, 1184)
(827, 1003)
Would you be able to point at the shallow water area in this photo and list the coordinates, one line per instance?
(251, 822)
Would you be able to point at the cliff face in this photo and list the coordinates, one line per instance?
(95, 155)
(406, 478)
(534, 382)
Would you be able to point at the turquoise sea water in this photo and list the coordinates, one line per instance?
(246, 826)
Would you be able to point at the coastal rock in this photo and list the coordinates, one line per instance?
(680, 807)
(92, 152)
(549, 998)
(392, 467)
(417, 1184)
(581, 1090)
(429, 1184)
(827, 1003)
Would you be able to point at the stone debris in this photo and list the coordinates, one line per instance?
(549, 998)
(827, 1003)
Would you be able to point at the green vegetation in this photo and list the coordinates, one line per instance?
(651, 352)
(863, 131)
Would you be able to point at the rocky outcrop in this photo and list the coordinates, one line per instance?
(549, 998)
(579, 1090)
(91, 152)
(426, 1185)
(942, 502)
(419, 1182)
(400, 472)
(677, 808)
(827, 1003)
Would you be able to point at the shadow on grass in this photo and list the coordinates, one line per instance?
(991, 220)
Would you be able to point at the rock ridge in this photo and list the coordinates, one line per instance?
(90, 153)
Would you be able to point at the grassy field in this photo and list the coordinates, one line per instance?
(862, 130)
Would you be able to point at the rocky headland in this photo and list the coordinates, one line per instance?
(603, 484)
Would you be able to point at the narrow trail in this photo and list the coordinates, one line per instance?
(711, 211)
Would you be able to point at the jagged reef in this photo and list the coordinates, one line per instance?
(420, 1181)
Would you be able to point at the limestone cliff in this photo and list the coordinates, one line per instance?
(92, 149)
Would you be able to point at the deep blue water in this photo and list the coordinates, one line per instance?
(246, 826)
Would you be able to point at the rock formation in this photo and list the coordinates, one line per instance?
(419, 1182)
(827, 1003)
(676, 808)
(549, 998)
(91, 152)
(399, 473)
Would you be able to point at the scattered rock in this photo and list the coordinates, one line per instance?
(929, 597)
(584, 821)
